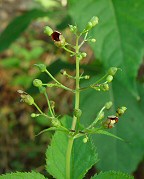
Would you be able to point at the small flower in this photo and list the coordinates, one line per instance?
(58, 38)
(110, 121)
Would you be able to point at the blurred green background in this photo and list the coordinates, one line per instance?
(120, 42)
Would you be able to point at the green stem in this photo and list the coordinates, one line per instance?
(38, 108)
(48, 102)
(61, 85)
(77, 96)
(96, 119)
(68, 50)
(68, 157)
(84, 40)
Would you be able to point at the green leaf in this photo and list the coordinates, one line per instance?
(114, 154)
(22, 175)
(83, 157)
(104, 132)
(119, 34)
(112, 175)
(17, 26)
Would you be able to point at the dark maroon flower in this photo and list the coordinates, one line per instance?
(56, 36)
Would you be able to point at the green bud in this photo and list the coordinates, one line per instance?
(73, 28)
(77, 113)
(112, 71)
(121, 111)
(27, 99)
(85, 140)
(48, 30)
(79, 57)
(93, 40)
(86, 77)
(94, 20)
(41, 67)
(37, 83)
(63, 72)
(108, 105)
(33, 115)
(124, 108)
(56, 122)
(109, 78)
(89, 26)
(101, 115)
(42, 89)
(104, 87)
(83, 54)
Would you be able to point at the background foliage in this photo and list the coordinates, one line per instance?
(120, 37)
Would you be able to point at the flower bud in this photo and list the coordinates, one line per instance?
(63, 72)
(93, 40)
(108, 105)
(94, 20)
(121, 111)
(77, 113)
(48, 30)
(37, 83)
(109, 78)
(83, 54)
(42, 89)
(86, 77)
(33, 115)
(41, 67)
(89, 26)
(26, 97)
(73, 28)
(112, 71)
(56, 122)
(101, 115)
(79, 56)
(104, 87)
(85, 140)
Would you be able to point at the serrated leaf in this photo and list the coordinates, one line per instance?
(112, 175)
(114, 154)
(119, 34)
(22, 175)
(83, 156)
